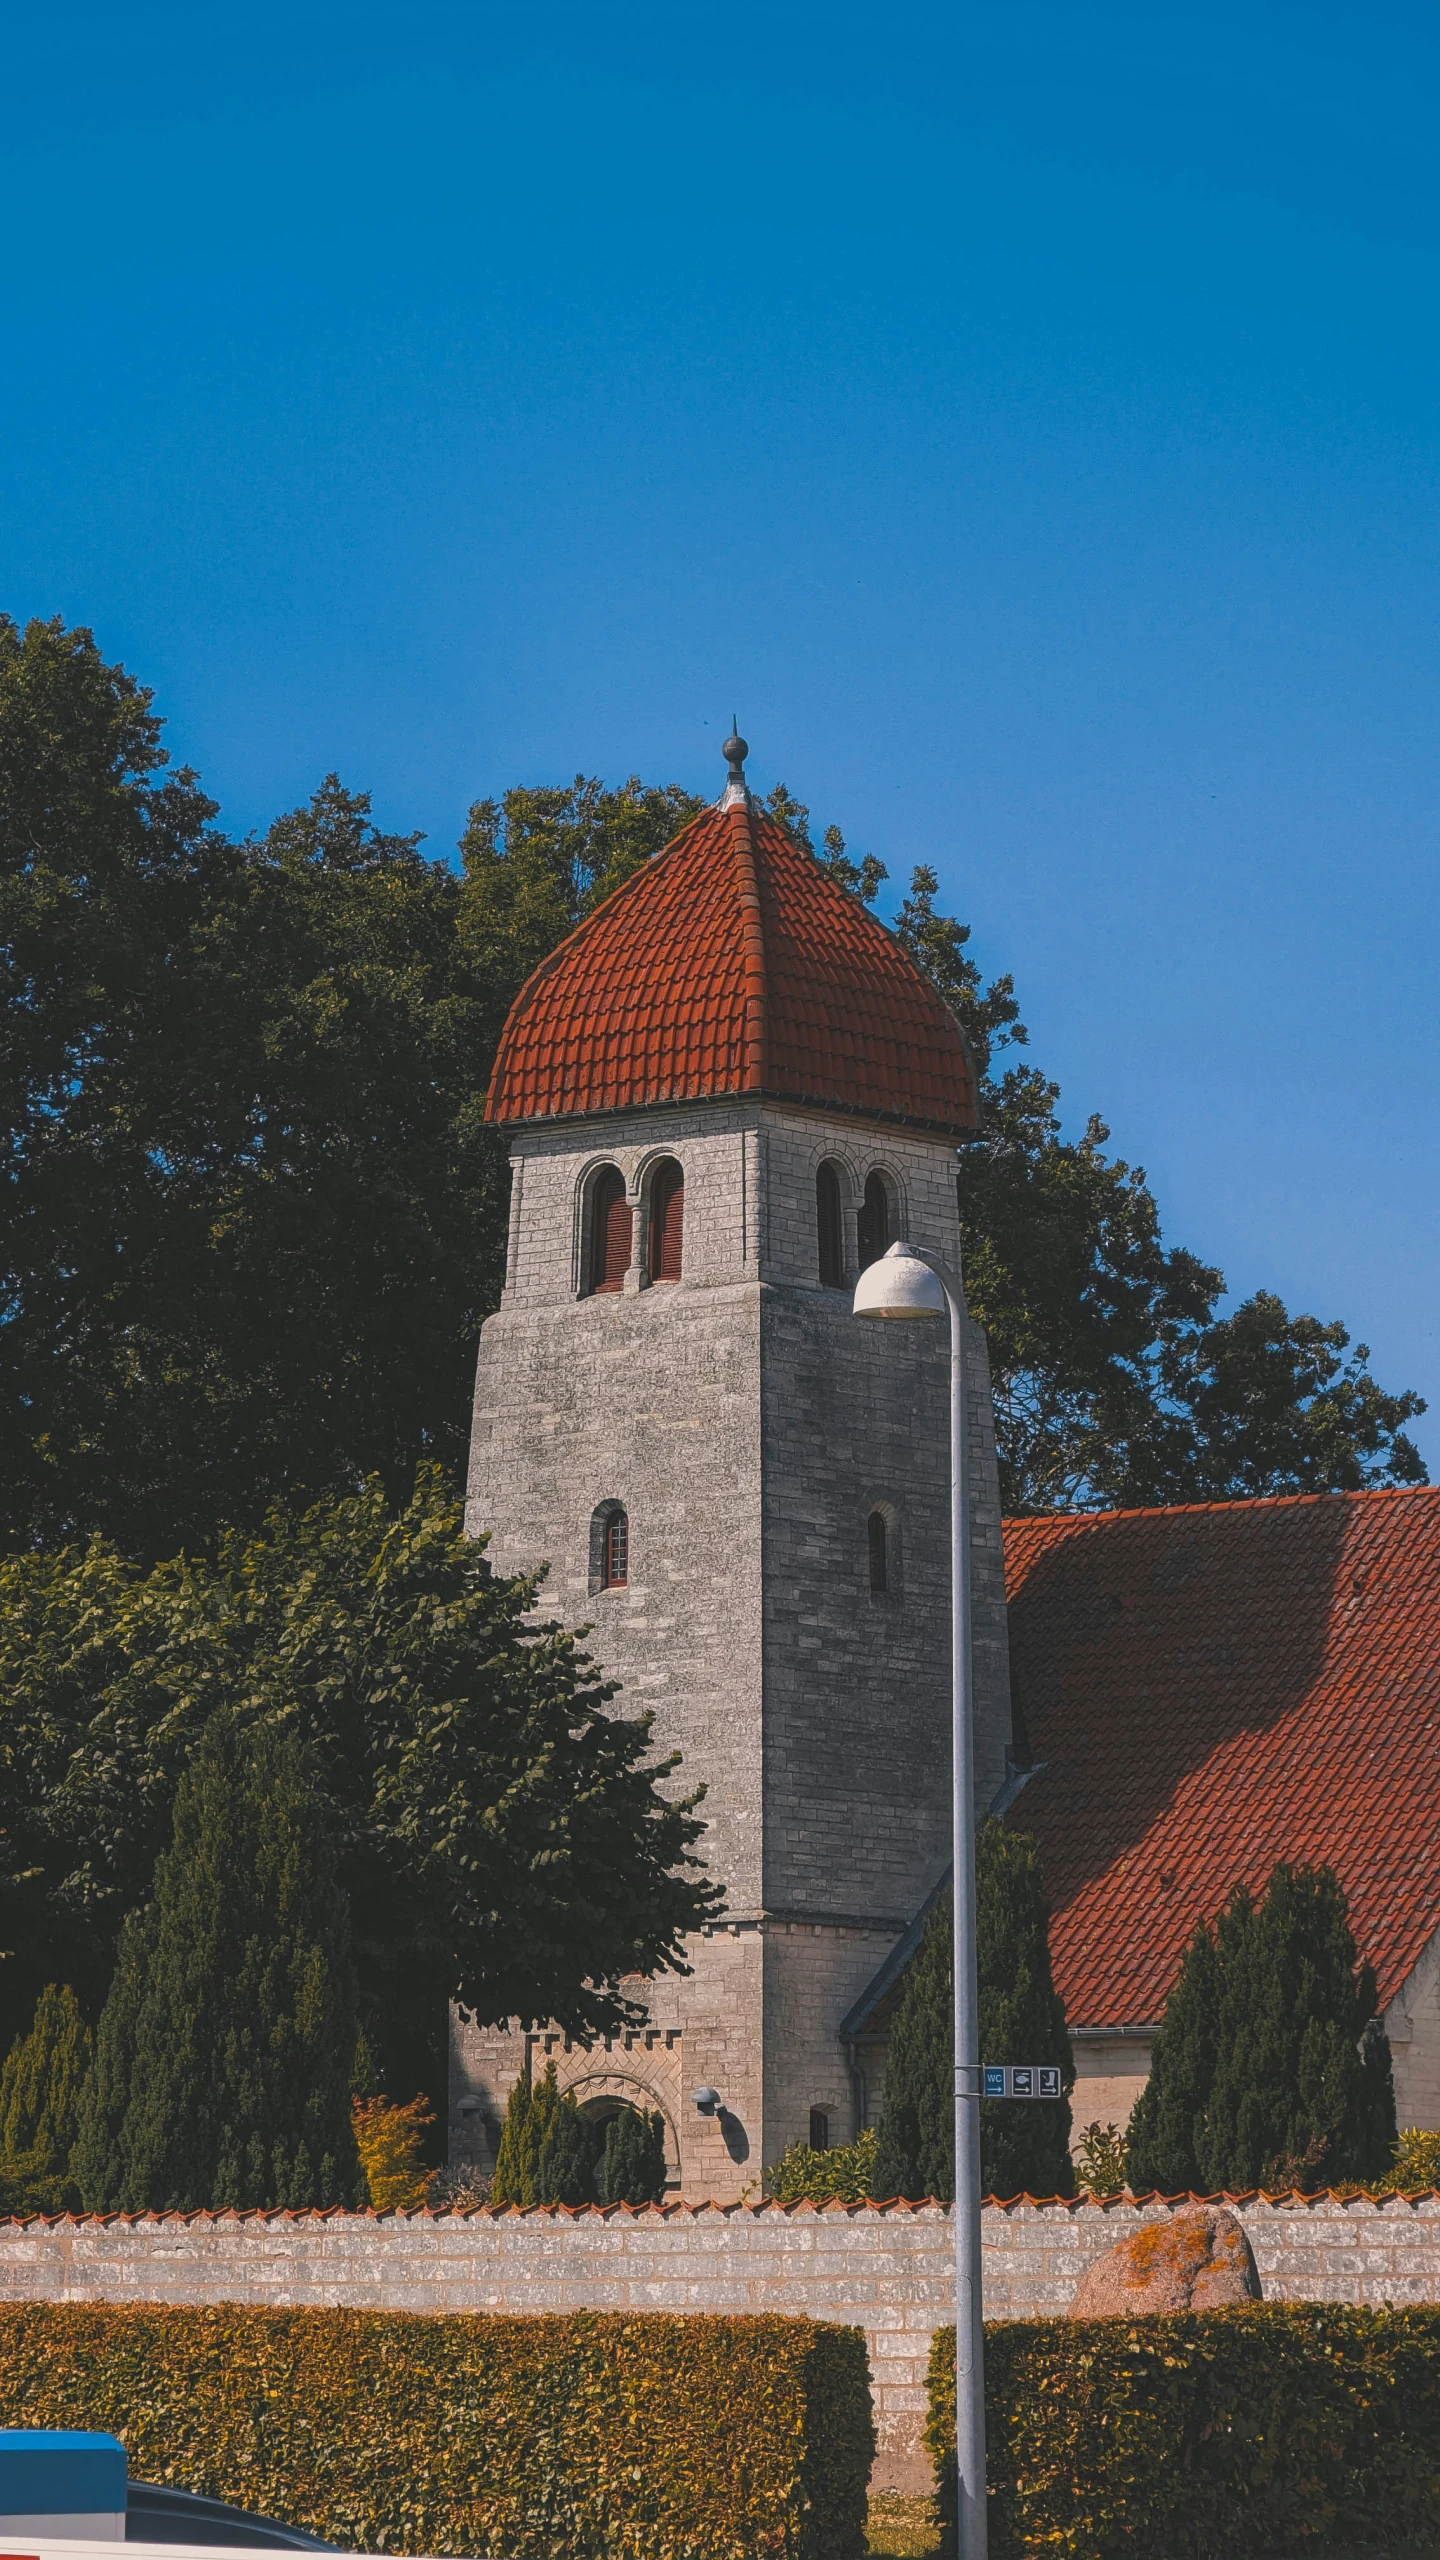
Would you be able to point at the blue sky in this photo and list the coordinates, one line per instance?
(1026, 418)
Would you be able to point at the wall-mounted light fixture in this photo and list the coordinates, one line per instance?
(707, 2101)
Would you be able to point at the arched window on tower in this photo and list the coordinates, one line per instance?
(667, 1219)
(875, 1228)
(879, 1553)
(609, 1547)
(611, 1231)
(830, 1228)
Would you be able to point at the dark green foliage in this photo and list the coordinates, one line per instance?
(1275, 2073)
(224, 2051)
(256, 1218)
(1278, 2427)
(915, 2151)
(633, 2168)
(518, 2156)
(1024, 2145)
(253, 1211)
(636, 2436)
(501, 1831)
(1167, 2122)
(846, 2172)
(570, 2155)
(40, 2090)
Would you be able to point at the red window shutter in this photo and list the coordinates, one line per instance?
(611, 1230)
(667, 1220)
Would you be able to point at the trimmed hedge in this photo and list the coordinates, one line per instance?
(656, 2437)
(1274, 2427)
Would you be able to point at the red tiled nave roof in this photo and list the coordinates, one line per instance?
(732, 964)
(1215, 1688)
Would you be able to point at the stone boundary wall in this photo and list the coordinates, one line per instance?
(883, 2268)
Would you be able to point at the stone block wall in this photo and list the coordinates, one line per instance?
(884, 2268)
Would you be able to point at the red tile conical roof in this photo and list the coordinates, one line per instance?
(732, 964)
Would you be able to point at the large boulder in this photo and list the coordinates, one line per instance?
(1196, 2260)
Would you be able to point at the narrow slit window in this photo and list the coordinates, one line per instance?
(667, 1220)
(611, 1232)
(819, 2129)
(830, 1228)
(874, 1224)
(879, 1553)
(617, 1551)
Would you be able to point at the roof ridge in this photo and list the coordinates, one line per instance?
(1022, 1520)
(752, 940)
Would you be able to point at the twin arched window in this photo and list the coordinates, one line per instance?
(875, 1226)
(610, 1240)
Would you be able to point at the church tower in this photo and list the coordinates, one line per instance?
(727, 1092)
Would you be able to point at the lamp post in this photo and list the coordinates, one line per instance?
(905, 1286)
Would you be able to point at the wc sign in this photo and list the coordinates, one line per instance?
(1022, 2080)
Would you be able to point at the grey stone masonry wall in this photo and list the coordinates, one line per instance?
(884, 2268)
(749, 1426)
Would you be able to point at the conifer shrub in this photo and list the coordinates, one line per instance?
(224, 2052)
(1278, 2426)
(652, 2436)
(1270, 2068)
(551, 2152)
(1024, 2143)
(40, 2091)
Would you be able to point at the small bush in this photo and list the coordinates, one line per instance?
(390, 2141)
(657, 2436)
(1416, 2167)
(1279, 2426)
(847, 2173)
(1102, 2159)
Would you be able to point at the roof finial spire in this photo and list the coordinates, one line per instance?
(735, 751)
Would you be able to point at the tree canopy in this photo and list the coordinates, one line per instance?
(253, 1218)
(501, 1831)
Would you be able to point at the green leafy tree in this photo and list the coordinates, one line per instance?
(1270, 2068)
(253, 1214)
(1167, 2122)
(1024, 2144)
(40, 2091)
(224, 2051)
(502, 1832)
(632, 2170)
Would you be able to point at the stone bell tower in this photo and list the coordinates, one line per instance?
(724, 1094)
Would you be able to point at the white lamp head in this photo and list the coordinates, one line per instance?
(899, 1285)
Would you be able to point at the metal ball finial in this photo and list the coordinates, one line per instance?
(735, 751)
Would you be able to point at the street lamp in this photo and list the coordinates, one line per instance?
(905, 1286)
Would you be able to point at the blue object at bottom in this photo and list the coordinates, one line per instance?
(60, 2471)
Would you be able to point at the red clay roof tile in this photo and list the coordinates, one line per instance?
(732, 964)
(1212, 1689)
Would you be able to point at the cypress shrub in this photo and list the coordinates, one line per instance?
(640, 2436)
(40, 2092)
(570, 2154)
(1024, 2143)
(224, 2052)
(390, 2142)
(915, 2148)
(1269, 2069)
(633, 2168)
